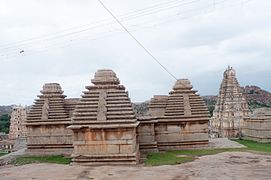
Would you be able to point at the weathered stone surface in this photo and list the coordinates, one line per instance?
(146, 134)
(17, 126)
(47, 123)
(104, 124)
(230, 109)
(257, 126)
(177, 121)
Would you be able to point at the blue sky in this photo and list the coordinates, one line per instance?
(66, 41)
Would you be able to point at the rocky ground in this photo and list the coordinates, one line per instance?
(228, 165)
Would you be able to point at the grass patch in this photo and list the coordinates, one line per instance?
(255, 146)
(42, 159)
(173, 157)
(2, 153)
(182, 156)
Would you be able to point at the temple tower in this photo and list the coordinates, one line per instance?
(174, 122)
(17, 128)
(185, 120)
(231, 107)
(104, 124)
(47, 123)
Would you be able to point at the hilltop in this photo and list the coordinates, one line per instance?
(256, 98)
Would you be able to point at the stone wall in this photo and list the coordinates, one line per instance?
(257, 127)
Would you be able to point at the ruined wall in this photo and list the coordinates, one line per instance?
(257, 127)
(49, 139)
(146, 134)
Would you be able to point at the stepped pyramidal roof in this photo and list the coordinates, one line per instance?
(49, 107)
(182, 103)
(105, 103)
(104, 124)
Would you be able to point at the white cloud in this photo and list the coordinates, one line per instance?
(199, 47)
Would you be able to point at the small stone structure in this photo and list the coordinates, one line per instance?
(17, 128)
(104, 124)
(46, 123)
(257, 126)
(101, 128)
(6, 145)
(177, 121)
(230, 109)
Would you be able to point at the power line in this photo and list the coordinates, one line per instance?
(75, 36)
(138, 42)
(128, 16)
(132, 15)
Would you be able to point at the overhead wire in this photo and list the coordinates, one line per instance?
(73, 39)
(127, 16)
(137, 41)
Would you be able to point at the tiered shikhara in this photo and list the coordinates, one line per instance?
(102, 128)
(47, 123)
(177, 121)
(104, 124)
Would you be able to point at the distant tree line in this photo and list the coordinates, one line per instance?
(4, 123)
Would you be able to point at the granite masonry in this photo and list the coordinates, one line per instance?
(17, 126)
(177, 121)
(101, 127)
(230, 109)
(47, 123)
(257, 127)
(104, 124)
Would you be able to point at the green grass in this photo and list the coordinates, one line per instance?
(255, 146)
(2, 153)
(171, 157)
(42, 159)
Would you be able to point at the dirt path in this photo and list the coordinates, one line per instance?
(228, 165)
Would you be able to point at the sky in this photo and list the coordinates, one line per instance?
(67, 41)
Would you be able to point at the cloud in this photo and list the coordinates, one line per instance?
(198, 47)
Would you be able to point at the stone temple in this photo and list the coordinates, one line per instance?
(101, 127)
(46, 123)
(257, 127)
(177, 121)
(230, 109)
(104, 124)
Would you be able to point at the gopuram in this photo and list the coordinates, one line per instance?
(177, 121)
(230, 109)
(17, 126)
(46, 123)
(104, 124)
(257, 127)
